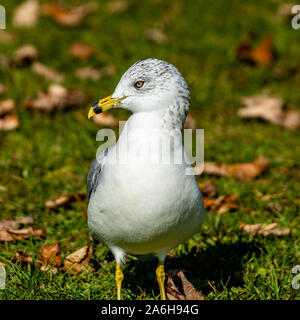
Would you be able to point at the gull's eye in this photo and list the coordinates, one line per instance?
(139, 84)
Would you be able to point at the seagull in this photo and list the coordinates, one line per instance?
(142, 200)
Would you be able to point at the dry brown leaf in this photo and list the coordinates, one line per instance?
(50, 254)
(228, 204)
(156, 35)
(269, 109)
(68, 17)
(26, 14)
(15, 224)
(58, 97)
(46, 72)
(2, 91)
(189, 290)
(208, 188)
(172, 291)
(215, 169)
(190, 122)
(117, 6)
(291, 119)
(261, 54)
(49, 258)
(78, 261)
(9, 122)
(109, 70)
(95, 74)
(249, 171)
(65, 201)
(25, 55)
(105, 120)
(5, 36)
(21, 256)
(258, 229)
(10, 229)
(5, 61)
(81, 50)
(6, 106)
(6, 236)
(285, 10)
(262, 106)
(243, 171)
(251, 228)
(88, 73)
(221, 204)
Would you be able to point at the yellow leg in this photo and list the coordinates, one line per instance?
(160, 276)
(119, 278)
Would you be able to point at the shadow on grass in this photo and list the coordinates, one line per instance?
(220, 264)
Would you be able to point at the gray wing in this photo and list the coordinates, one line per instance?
(94, 174)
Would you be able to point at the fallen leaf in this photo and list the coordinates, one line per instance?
(65, 201)
(50, 254)
(261, 54)
(215, 169)
(258, 229)
(269, 109)
(26, 14)
(243, 171)
(15, 224)
(285, 10)
(5, 61)
(9, 122)
(208, 188)
(189, 290)
(5, 36)
(105, 120)
(221, 204)
(227, 204)
(6, 106)
(95, 74)
(78, 261)
(291, 119)
(109, 70)
(58, 97)
(156, 35)
(172, 291)
(46, 72)
(81, 50)
(2, 91)
(49, 258)
(262, 106)
(88, 73)
(68, 17)
(190, 122)
(6, 236)
(10, 229)
(25, 55)
(249, 171)
(251, 228)
(21, 256)
(117, 6)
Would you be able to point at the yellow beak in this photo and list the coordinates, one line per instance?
(103, 105)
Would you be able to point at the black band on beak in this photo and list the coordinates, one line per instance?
(96, 108)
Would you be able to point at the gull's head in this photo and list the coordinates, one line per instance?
(148, 85)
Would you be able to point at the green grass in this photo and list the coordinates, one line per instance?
(49, 154)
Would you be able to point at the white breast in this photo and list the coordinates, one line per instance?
(143, 206)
